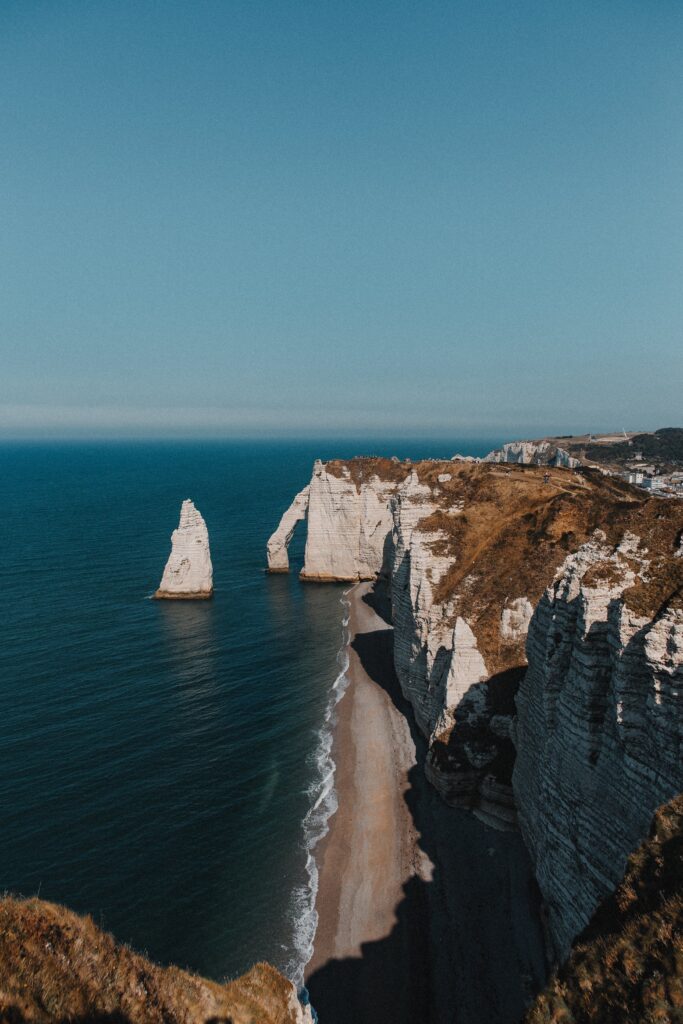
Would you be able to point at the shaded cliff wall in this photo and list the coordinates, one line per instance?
(626, 967)
(599, 727)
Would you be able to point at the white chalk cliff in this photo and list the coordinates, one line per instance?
(278, 558)
(599, 729)
(491, 566)
(439, 665)
(423, 636)
(188, 573)
(533, 453)
(348, 525)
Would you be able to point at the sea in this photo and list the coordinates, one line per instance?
(166, 766)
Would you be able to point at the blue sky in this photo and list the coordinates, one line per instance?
(235, 218)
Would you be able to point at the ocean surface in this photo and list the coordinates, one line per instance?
(164, 766)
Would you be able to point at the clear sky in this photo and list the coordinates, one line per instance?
(249, 217)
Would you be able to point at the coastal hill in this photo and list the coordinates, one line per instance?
(662, 448)
(58, 966)
(653, 460)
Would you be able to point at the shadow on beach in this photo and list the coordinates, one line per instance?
(466, 946)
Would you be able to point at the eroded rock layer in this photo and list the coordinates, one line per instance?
(188, 573)
(599, 729)
(533, 453)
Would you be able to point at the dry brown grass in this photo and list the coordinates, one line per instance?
(363, 468)
(515, 530)
(627, 966)
(58, 966)
(506, 529)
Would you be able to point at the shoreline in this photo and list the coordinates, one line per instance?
(420, 907)
(316, 823)
(369, 849)
(370, 852)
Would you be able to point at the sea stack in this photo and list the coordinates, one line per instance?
(188, 574)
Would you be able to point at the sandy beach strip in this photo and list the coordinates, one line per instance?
(371, 851)
(424, 913)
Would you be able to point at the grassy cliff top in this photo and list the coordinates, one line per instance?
(58, 966)
(508, 528)
(363, 468)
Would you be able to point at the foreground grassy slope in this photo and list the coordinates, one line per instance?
(627, 965)
(58, 966)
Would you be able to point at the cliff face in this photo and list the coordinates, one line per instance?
(481, 553)
(534, 453)
(188, 573)
(599, 728)
(348, 520)
(278, 558)
(626, 967)
(595, 734)
(439, 656)
(57, 966)
(474, 549)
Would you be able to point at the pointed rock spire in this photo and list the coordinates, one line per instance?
(188, 574)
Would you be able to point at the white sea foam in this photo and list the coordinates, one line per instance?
(315, 825)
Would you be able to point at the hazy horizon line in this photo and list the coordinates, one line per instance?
(493, 436)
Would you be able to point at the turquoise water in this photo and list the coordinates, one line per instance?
(160, 761)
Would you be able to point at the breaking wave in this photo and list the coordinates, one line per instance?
(323, 799)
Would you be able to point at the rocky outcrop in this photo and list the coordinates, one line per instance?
(278, 558)
(188, 574)
(346, 504)
(348, 520)
(599, 727)
(58, 966)
(533, 453)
